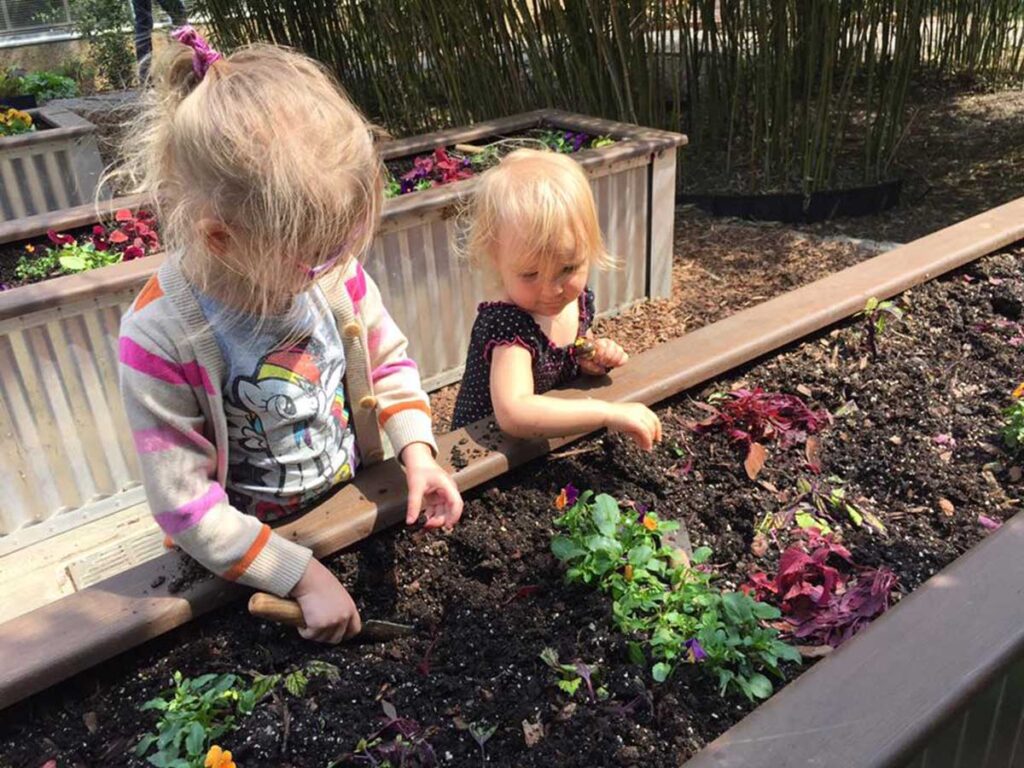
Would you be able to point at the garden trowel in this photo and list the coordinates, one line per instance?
(288, 612)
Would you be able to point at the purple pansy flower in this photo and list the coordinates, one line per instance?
(694, 651)
(571, 494)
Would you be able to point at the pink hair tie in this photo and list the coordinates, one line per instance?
(203, 55)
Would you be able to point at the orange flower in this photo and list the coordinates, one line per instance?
(561, 500)
(629, 572)
(650, 523)
(30, 248)
(218, 758)
(1019, 391)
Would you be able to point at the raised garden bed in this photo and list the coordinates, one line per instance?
(71, 459)
(54, 167)
(490, 597)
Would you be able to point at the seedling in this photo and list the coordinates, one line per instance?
(481, 733)
(875, 315)
(399, 743)
(296, 682)
(666, 601)
(571, 675)
(1013, 424)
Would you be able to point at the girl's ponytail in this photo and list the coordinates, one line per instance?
(172, 75)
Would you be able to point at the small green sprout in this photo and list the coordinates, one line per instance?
(876, 314)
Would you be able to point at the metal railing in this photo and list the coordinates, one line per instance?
(30, 22)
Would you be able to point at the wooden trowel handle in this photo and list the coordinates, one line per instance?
(264, 606)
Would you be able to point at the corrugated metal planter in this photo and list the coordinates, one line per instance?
(67, 456)
(50, 169)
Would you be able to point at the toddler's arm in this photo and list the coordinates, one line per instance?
(521, 413)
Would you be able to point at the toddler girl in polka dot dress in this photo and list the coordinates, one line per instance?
(533, 227)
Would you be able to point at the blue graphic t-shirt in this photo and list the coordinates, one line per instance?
(289, 433)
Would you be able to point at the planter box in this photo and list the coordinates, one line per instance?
(55, 167)
(71, 459)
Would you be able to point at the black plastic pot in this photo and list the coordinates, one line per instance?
(794, 207)
(23, 101)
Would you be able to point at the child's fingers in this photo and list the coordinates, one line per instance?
(453, 501)
(609, 354)
(642, 438)
(417, 487)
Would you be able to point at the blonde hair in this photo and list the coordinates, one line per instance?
(270, 145)
(540, 195)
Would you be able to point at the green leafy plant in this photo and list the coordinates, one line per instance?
(297, 681)
(33, 266)
(104, 26)
(200, 710)
(392, 187)
(664, 599)
(1013, 421)
(10, 82)
(81, 257)
(46, 86)
(197, 712)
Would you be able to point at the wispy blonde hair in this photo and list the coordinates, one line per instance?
(270, 145)
(539, 195)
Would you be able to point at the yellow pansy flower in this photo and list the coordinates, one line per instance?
(219, 758)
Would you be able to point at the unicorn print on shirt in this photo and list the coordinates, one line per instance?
(290, 420)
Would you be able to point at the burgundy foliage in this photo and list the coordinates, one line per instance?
(821, 592)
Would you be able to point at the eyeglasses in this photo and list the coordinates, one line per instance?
(314, 272)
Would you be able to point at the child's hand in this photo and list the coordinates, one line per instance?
(607, 354)
(327, 607)
(636, 420)
(431, 489)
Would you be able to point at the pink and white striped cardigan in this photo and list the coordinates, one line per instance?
(171, 370)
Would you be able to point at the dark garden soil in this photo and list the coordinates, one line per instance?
(488, 597)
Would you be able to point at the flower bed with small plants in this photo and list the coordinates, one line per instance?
(559, 627)
(133, 235)
(446, 165)
(130, 235)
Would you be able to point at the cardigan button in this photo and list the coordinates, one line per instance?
(352, 330)
(368, 402)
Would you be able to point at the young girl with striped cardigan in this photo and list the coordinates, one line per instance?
(259, 366)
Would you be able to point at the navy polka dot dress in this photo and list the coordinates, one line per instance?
(500, 323)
